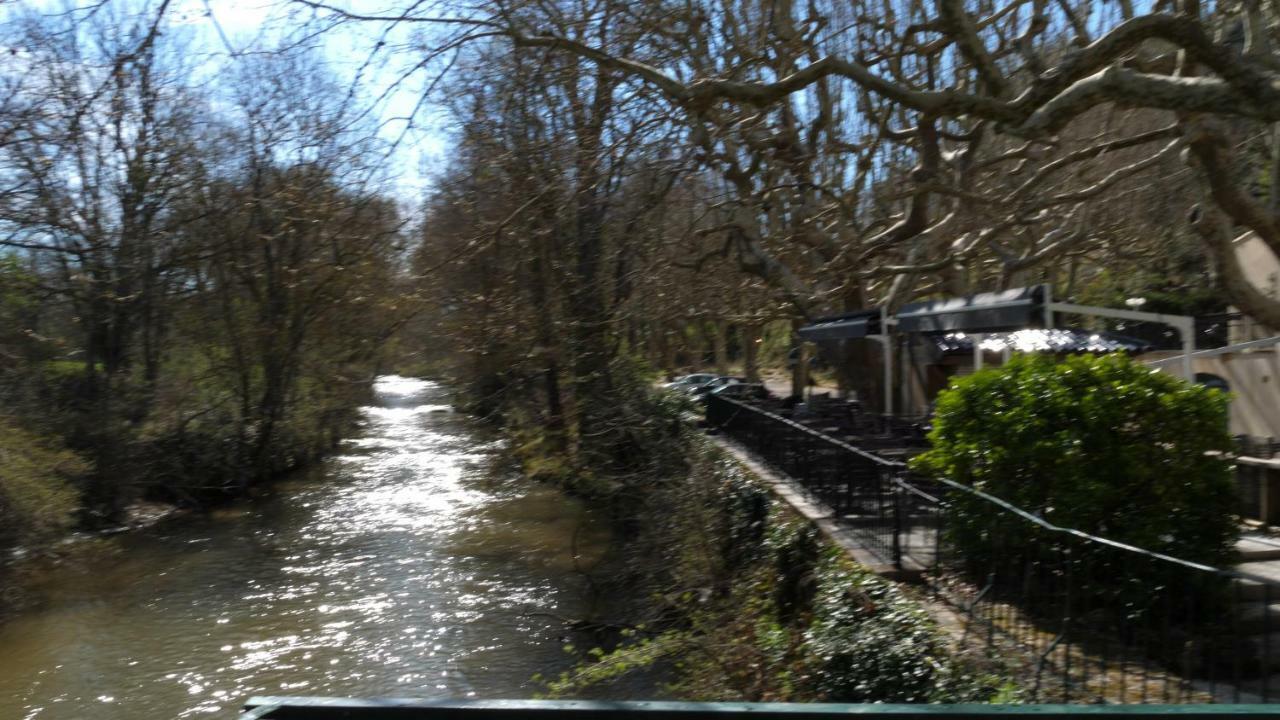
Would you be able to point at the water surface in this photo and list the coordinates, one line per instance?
(404, 565)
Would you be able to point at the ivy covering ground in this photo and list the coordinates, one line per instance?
(750, 603)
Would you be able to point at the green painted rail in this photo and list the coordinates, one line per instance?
(319, 708)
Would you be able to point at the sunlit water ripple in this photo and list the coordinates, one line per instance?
(399, 566)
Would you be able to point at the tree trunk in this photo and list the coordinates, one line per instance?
(751, 352)
(800, 369)
(720, 346)
(543, 309)
(667, 341)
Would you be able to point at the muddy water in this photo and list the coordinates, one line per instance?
(403, 565)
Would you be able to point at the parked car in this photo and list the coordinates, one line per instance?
(718, 381)
(688, 381)
(742, 391)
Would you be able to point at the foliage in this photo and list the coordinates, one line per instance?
(37, 476)
(198, 279)
(788, 619)
(641, 434)
(869, 643)
(1098, 444)
(796, 550)
(746, 506)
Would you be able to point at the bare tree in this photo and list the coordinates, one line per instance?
(957, 96)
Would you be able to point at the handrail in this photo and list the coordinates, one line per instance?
(1023, 514)
(1211, 352)
(916, 491)
(904, 519)
(424, 709)
(1004, 504)
(839, 443)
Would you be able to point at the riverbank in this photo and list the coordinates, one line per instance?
(56, 539)
(748, 601)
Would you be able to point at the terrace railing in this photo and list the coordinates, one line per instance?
(310, 708)
(1086, 618)
(856, 484)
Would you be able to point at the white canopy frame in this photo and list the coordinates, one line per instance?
(886, 345)
(1184, 324)
(1273, 341)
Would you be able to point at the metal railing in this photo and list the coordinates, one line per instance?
(1089, 619)
(853, 482)
(1257, 447)
(311, 708)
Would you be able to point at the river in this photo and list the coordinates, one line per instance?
(403, 565)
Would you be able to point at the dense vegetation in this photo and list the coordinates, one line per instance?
(202, 264)
(200, 250)
(619, 194)
(1098, 444)
(197, 279)
(1102, 446)
(748, 602)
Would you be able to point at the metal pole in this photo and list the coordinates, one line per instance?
(887, 347)
(1185, 325)
(886, 341)
(903, 362)
(1048, 306)
(1188, 330)
(897, 522)
(977, 351)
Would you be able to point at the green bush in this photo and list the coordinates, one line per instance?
(868, 642)
(1098, 444)
(746, 507)
(37, 500)
(750, 603)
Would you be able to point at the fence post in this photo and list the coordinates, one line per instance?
(1069, 582)
(897, 525)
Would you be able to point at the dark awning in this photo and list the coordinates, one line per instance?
(985, 312)
(843, 327)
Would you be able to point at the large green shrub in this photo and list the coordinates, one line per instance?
(1098, 444)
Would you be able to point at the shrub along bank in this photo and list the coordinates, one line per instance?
(748, 602)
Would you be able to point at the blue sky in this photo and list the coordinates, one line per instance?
(226, 28)
(225, 31)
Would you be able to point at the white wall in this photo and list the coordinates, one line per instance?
(1255, 387)
(1263, 272)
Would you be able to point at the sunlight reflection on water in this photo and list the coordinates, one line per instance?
(400, 566)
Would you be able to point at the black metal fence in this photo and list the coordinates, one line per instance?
(854, 483)
(319, 708)
(1257, 447)
(1087, 619)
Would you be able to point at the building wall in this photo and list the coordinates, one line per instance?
(1262, 270)
(1254, 378)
